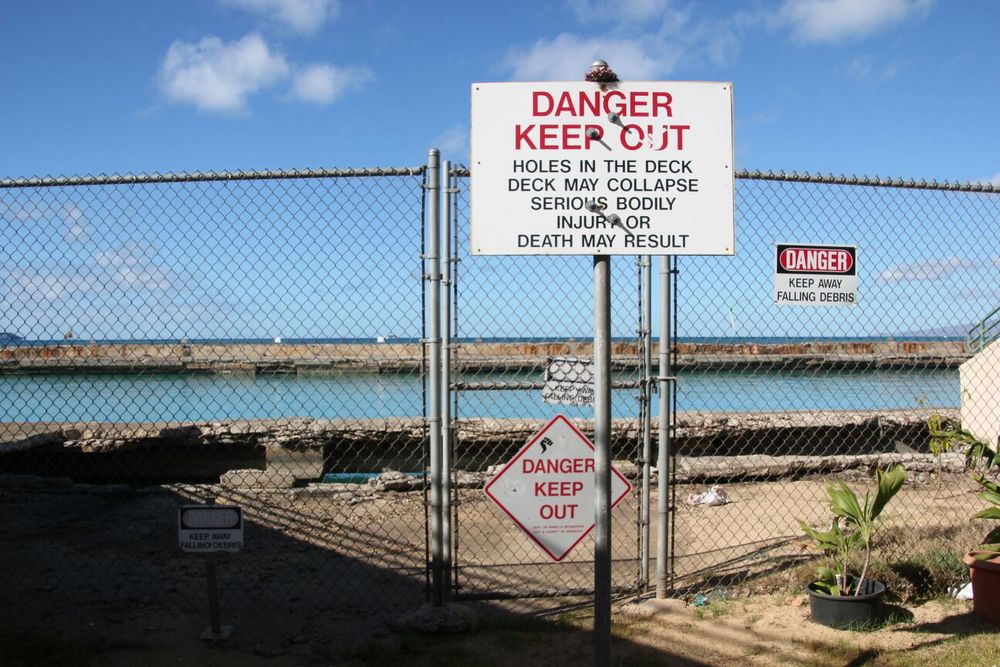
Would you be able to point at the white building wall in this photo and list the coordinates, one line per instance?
(980, 381)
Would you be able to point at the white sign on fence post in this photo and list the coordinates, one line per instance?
(203, 529)
(548, 488)
(569, 381)
(658, 155)
(815, 275)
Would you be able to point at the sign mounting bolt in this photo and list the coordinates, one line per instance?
(600, 73)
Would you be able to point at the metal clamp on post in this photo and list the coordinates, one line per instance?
(614, 219)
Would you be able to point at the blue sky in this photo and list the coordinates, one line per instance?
(871, 87)
(889, 87)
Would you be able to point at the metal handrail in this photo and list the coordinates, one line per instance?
(983, 333)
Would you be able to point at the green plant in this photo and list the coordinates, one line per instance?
(854, 524)
(983, 464)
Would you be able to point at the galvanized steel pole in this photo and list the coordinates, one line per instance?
(446, 443)
(599, 71)
(663, 449)
(602, 460)
(647, 424)
(434, 341)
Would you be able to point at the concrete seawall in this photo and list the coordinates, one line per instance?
(291, 450)
(306, 358)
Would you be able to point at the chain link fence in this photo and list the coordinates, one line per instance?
(245, 338)
(258, 338)
(776, 401)
(513, 316)
(772, 402)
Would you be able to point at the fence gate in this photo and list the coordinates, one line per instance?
(245, 337)
(509, 315)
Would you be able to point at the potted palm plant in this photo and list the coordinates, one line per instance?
(983, 463)
(837, 598)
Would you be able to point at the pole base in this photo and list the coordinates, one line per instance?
(224, 633)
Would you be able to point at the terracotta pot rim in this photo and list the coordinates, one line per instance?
(992, 564)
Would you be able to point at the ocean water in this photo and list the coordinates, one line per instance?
(192, 398)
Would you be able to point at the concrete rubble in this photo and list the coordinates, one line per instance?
(293, 454)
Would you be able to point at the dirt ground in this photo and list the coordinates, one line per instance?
(99, 567)
(776, 630)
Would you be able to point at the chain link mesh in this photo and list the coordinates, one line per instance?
(513, 316)
(256, 338)
(774, 402)
(249, 338)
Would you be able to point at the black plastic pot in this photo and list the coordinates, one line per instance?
(847, 612)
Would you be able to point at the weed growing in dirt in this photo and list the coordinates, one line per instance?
(713, 609)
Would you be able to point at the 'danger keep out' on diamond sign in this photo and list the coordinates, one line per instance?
(553, 163)
(548, 488)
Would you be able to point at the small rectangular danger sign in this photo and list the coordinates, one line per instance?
(815, 275)
(210, 528)
(569, 381)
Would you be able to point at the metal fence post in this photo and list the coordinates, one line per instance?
(663, 448)
(647, 425)
(434, 340)
(602, 459)
(446, 462)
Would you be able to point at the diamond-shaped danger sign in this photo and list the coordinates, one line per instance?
(548, 488)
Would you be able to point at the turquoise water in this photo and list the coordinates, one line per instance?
(186, 398)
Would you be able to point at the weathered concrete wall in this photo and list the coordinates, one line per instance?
(305, 448)
(980, 381)
(479, 356)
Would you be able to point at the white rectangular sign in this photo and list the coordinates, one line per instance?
(569, 381)
(807, 274)
(210, 528)
(656, 154)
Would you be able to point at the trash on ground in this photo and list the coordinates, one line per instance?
(963, 593)
(714, 496)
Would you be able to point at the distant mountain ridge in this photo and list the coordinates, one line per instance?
(8, 337)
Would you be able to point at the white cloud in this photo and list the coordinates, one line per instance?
(25, 285)
(74, 224)
(640, 39)
(305, 16)
(218, 76)
(837, 20)
(75, 228)
(567, 57)
(23, 212)
(992, 180)
(931, 269)
(867, 68)
(132, 267)
(74, 232)
(323, 84)
(643, 39)
(453, 142)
